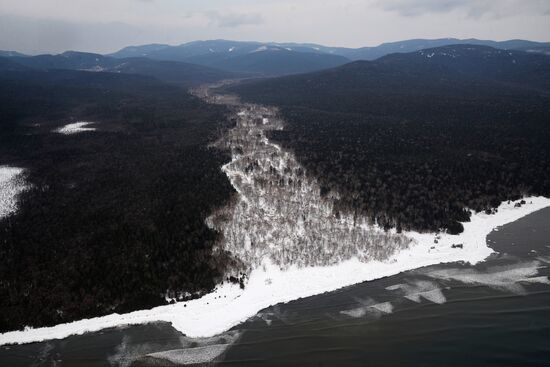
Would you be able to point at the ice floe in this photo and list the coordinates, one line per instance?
(503, 277)
(375, 310)
(418, 289)
(197, 351)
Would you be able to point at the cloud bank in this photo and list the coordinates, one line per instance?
(234, 20)
(104, 25)
(472, 8)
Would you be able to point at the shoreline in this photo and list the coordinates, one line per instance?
(228, 305)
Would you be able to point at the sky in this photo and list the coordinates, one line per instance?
(53, 26)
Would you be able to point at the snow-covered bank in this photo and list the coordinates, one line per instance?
(11, 184)
(228, 305)
(75, 128)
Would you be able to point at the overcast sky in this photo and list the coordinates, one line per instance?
(35, 26)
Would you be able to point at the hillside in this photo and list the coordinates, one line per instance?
(408, 46)
(8, 65)
(183, 74)
(272, 61)
(414, 140)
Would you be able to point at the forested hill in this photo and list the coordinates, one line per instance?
(461, 70)
(469, 63)
(113, 219)
(271, 61)
(181, 73)
(8, 65)
(414, 140)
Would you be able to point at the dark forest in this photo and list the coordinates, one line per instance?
(113, 218)
(416, 142)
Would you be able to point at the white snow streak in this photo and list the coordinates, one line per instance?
(75, 128)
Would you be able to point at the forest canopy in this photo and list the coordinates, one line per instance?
(416, 141)
(114, 218)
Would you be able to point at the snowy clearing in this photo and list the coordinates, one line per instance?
(11, 184)
(77, 127)
(228, 305)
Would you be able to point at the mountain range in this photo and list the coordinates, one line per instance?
(207, 51)
(206, 61)
(417, 140)
(456, 69)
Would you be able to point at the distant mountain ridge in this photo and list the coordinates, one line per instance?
(225, 48)
(11, 54)
(245, 58)
(436, 71)
(372, 53)
(269, 59)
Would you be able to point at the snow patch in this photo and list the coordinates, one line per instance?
(96, 68)
(260, 49)
(12, 184)
(75, 128)
(280, 213)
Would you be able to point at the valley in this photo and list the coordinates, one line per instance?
(280, 213)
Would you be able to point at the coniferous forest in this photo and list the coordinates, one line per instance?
(114, 218)
(415, 141)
